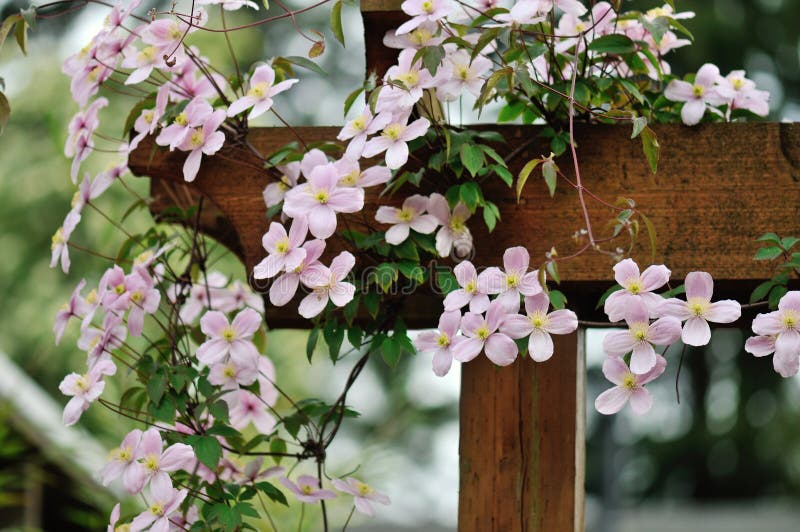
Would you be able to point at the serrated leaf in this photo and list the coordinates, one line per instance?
(207, 449)
(615, 43)
(768, 253)
(336, 22)
(650, 147)
(277, 445)
(272, 492)
(524, 174)
(432, 57)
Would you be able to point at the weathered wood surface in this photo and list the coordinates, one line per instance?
(522, 443)
(718, 187)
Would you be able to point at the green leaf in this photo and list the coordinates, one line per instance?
(524, 174)
(207, 449)
(549, 169)
(311, 343)
(336, 21)
(334, 336)
(490, 218)
(384, 275)
(472, 158)
(769, 237)
(305, 63)
(351, 99)
(511, 111)
(607, 293)
(156, 386)
(788, 242)
(390, 351)
(225, 515)
(639, 123)
(8, 25)
(613, 44)
(761, 291)
(5, 112)
(768, 253)
(503, 173)
(372, 301)
(22, 36)
(470, 195)
(650, 147)
(277, 445)
(558, 299)
(552, 270)
(412, 270)
(651, 233)
(486, 37)
(432, 57)
(446, 281)
(272, 492)
(776, 294)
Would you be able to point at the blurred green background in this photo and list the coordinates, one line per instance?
(734, 438)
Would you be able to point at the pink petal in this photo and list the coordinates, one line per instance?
(283, 289)
(449, 322)
(491, 280)
(346, 199)
(788, 342)
(396, 154)
(612, 400)
(342, 264)
(726, 311)
(468, 349)
(397, 234)
(192, 165)
(760, 345)
(562, 322)
(679, 91)
(177, 456)
(342, 293)
(664, 331)
(322, 221)
(424, 224)
(699, 284)
(437, 206)
(617, 343)
(540, 346)
(696, 332)
(479, 303)
(615, 369)
(654, 277)
(643, 358)
(313, 304)
(442, 361)
(465, 272)
(213, 323)
(674, 307)
(501, 349)
(654, 373)
(516, 260)
(790, 301)
(496, 314)
(212, 351)
(246, 323)
(470, 322)
(786, 364)
(641, 401)
(625, 271)
(768, 324)
(693, 112)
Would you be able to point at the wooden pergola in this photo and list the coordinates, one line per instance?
(718, 187)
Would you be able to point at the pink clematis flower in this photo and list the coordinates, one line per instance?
(285, 251)
(426, 34)
(363, 494)
(413, 77)
(90, 189)
(205, 139)
(285, 287)
(320, 199)
(521, 13)
(164, 502)
(229, 339)
(465, 74)
(636, 287)
(441, 342)
(641, 336)
(275, 192)
(155, 461)
(259, 96)
(698, 309)
(84, 389)
(629, 387)
(424, 11)
(350, 174)
(454, 232)
(358, 129)
(144, 298)
(230, 375)
(410, 216)
(539, 325)
(469, 293)
(77, 307)
(98, 343)
(307, 489)
(83, 124)
(483, 334)
(123, 461)
(698, 95)
(328, 284)
(779, 331)
(245, 408)
(113, 518)
(59, 245)
(393, 140)
(742, 93)
(196, 113)
(516, 280)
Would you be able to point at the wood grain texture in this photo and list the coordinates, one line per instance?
(719, 186)
(522, 443)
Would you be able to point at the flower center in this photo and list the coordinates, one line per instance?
(137, 296)
(363, 489)
(82, 383)
(58, 238)
(443, 340)
(91, 297)
(151, 462)
(790, 319)
(157, 509)
(698, 306)
(538, 319)
(427, 6)
(629, 381)
(308, 490)
(420, 36)
(409, 78)
(471, 287)
(196, 140)
(462, 71)
(456, 224)
(737, 83)
(634, 286)
(698, 90)
(282, 246)
(182, 119)
(393, 131)
(350, 179)
(321, 196)
(148, 54)
(229, 371)
(228, 333)
(406, 214)
(579, 27)
(148, 116)
(95, 73)
(639, 331)
(125, 454)
(482, 332)
(259, 90)
(359, 124)
(512, 280)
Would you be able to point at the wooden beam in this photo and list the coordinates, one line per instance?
(522, 443)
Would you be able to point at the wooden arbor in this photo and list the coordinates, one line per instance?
(522, 441)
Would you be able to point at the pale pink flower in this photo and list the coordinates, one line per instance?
(123, 461)
(88, 190)
(483, 335)
(284, 251)
(467, 278)
(698, 309)
(327, 284)
(363, 494)
(259, 96)
(454, 229)
(641, 336)
(114, 290)
(441, 342)
(194, 115)
(147, 122)
(98, 343)
(84, 389)
(190, 82)
(393, 140)
(465, 74)
(521, 13)
(245, 408)
(358, 129)
(413, 76)
(275, 192)
(229, 339)
(240, 296)
(539, 325)
(230, 5)
(410, 216)
(252, 471)
(636, 286)
(779, 331)
(285, 287)
(516, 280)
(211, 286)
(86, 82)
(320, 199)
(120, 12)
(59, 244)
(113, 518)
(742, 93)
(229, 374)
(205, 139)
(164, 502)
(423, 11)
(155, 462)
(426, 34)
(698, 95)
(629, 387)
(144, 298)
(168, 33)
(84, 124)
(307, 489)
(77, 307)
(143, 61)
(350, 174)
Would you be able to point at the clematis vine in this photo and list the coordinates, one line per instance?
(641, 336)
